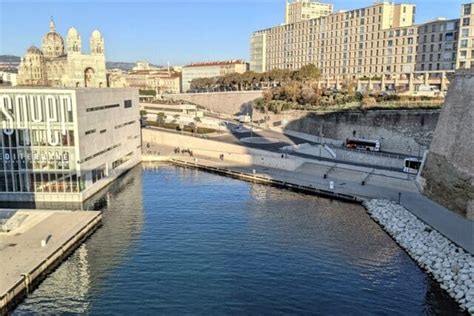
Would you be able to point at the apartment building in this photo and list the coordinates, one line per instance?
(64, 145)
(258, 47)
(209, 70)
(437, 45)
(381, 40)
(299, 10)
(465, 53)
(343, 44)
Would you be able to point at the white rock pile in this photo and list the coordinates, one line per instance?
(449, 264)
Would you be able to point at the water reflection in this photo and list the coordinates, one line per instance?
(180, 241)
(70, 288)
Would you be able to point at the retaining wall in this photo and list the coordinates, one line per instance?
(403, 131)
(230, 103)
(152, 139)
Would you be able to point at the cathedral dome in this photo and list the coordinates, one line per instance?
(53, 43)
(33, 50)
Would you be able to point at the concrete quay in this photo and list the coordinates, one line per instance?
(33, 243)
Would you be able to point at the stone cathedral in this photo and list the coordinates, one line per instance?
(53, 66)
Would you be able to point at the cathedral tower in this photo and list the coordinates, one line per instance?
(97, 43)
(73, 41)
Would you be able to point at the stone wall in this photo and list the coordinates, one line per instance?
(152, 139)
(448, 174)
(230, 103)
(404, 131)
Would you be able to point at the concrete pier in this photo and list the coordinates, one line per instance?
(33, 243)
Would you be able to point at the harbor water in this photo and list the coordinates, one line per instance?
(182, 241)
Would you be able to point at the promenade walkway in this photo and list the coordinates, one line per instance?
(391, 186)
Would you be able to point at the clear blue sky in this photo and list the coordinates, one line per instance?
(159, 31)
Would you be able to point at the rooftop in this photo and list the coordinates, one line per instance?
(217, 63)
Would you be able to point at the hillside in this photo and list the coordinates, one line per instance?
(9, 59)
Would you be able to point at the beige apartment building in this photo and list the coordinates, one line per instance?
(299, 10)
(465, 57)
(379, 42)
(437, 45)
(345, 44)
(209, 70)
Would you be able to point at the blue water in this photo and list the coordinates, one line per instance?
(180, 241)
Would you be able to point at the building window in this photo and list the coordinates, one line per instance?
(466, 22)
(467, 9)
(465, 33)
(128, 104)
(464, 43)
(92, 131)
(100, 108)
(103, 131)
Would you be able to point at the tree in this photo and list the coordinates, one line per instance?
(308, 73)
(160, 117)
(143, 112)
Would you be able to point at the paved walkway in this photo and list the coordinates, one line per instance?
(21, 250)
(451, 225)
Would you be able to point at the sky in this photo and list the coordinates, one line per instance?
(162, 31)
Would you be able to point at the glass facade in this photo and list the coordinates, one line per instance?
(38, 140)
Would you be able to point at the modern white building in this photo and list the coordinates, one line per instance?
(210, 70)
(63, 145)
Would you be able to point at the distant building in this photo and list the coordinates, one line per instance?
(160, 81)
(57, 66)
(8, 78)
(69, 144)
(299, 10)
(209, 70)
(466, 37)
(143, 65)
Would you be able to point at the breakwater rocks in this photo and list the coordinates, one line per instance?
(449, 264)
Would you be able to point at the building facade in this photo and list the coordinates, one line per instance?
(209, 70)
(437, 45)
(63, 145)
(344, 44)
(299, 10)
(381, 42)
(8, 78)
(465, 57)
(57, 65)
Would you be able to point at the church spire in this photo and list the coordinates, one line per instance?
(52, 26)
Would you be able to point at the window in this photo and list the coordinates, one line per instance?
(100, 108)
(128, 104)
(465, 33)
(92, 131)
(103, 131)
(467, 9)
(466, 22)
(464, 43)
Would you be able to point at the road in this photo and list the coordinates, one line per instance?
(234, 137)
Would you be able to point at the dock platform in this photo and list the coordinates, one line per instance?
(33, 243)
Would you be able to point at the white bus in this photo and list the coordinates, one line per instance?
(412, 165)
(365, 144)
